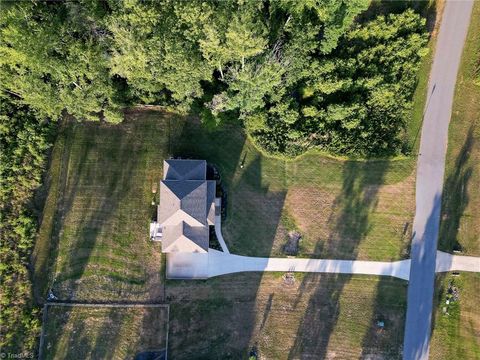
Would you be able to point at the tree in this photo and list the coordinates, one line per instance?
(53, 61)
(356, 99)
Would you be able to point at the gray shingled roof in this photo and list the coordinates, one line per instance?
(187, 195)
(187, 206)
(185, 238)
(180, 169)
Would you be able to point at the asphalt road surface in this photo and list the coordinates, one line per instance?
(430, 173)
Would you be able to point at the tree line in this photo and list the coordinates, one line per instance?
(299, 74)
(24, 142)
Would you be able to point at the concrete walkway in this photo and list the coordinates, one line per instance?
(218, 225)
(430, 173)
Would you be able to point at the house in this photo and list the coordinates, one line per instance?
(187, 207)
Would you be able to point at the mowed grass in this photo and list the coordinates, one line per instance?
(460, 226)
(103, 333)
(318, 316)
(457, 335)
(99, 238)
(343, 208)
(97, 235)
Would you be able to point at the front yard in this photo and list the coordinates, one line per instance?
(313, 316)
(343, 209)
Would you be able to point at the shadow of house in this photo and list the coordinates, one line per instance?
(350, 214)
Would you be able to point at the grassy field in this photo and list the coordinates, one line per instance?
(343, 209)
(97, 234)
(103, 333)
(318, 316)
(460, 226)
(95, 226)
(456, 335)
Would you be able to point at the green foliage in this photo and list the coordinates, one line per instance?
(310, 73)
(24, 141)
(299, 74)
(356, 99)
(55, 58)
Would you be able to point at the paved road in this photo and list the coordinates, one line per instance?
(430, 172)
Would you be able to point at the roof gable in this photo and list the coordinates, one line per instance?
(188, 196)
(185, 238)
(184, 169)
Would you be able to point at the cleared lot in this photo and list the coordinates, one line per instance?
(93, 241)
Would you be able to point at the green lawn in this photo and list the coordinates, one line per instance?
(103, 333)
(343, 209)
(97, 234)
(318, 316)
(95, 224)
(456, 334)
(460, 226)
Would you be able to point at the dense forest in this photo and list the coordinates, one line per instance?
(299, 74)
(336, 75)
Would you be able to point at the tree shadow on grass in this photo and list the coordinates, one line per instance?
(95, 214)
(95, 333)
(385, 334)
(350, 214)
(97, 209)
(455, 197)
(99, 204)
